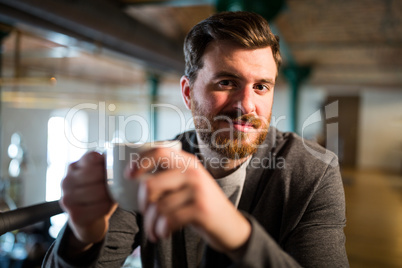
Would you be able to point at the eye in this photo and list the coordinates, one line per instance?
(226, 83)
(261, 87)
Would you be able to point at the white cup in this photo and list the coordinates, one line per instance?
(118, 157)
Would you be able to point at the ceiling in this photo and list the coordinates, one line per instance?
(348, 44)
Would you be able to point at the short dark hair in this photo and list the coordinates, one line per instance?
(247, 29)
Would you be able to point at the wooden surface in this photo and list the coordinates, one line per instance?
(374, 218)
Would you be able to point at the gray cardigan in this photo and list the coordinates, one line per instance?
(293, 200)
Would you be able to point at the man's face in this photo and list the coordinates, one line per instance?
(231, 98)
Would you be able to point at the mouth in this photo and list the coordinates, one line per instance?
(249, 120)
(243, 126)
(245, 123)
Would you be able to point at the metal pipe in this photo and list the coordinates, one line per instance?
(21, 217)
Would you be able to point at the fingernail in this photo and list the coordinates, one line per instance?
(161, 227)
(142, 196)
(149, 222)
(129, 172)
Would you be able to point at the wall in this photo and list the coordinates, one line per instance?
(380, 126)
(311, 100)
(32, 125)
(380, 129)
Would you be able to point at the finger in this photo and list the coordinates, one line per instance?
(152, 187)
(147, 162)
(79, 177)
(174, 200)
(158, 159)
(161, 227)
(73, 166)
(91, 158)
(176, 219)
(168, 206)
(150, 217)
(83, 214)
(86, 195)
(156, 214)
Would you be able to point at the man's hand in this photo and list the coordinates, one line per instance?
(183, 193)
(87, 201)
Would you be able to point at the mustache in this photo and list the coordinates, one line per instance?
(246, 118)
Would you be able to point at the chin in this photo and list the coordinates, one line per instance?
(238, 145)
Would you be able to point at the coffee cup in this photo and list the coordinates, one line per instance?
(120, 155)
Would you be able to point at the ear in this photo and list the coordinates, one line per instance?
(185, 91)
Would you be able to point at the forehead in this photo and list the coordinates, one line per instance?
(231, 57)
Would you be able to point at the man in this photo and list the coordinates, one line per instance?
(237, 208)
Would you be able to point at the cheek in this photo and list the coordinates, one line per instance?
(215, 102)
(264, 107)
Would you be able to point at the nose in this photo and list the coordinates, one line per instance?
(245, 101)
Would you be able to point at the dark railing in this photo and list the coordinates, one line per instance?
(22, 217)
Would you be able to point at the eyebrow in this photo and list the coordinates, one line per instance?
(225, 74)
(269, 81)
(234, 75)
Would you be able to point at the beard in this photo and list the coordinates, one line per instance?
(229, 142)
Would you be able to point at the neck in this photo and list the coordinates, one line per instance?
(219, 166)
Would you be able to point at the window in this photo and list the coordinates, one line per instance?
(66, 144)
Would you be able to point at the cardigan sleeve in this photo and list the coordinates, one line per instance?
(111, 252)
(317, 239)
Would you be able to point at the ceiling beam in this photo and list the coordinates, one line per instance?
(100, 22)
(177, 3)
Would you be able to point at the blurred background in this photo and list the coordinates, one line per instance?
(77, 75)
